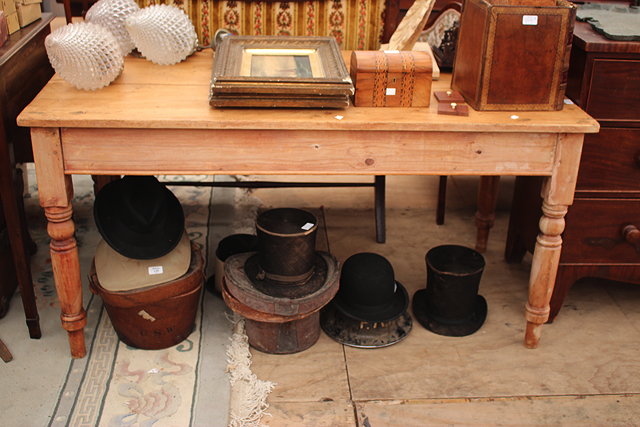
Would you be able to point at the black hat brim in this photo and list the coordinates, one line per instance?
(355, 333)
(396, 306)
(161, 237)
(292, 290)
(475, 321)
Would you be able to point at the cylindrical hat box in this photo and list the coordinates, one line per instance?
(278, 324)
(158, 316)
(284, 338)
(286, 244)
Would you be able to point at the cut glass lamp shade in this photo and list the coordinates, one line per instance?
(111, 15)
(163, 34)
(84, 54)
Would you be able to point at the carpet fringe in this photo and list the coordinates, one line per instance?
(248, 400)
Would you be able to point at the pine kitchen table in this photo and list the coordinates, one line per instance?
(157, 120)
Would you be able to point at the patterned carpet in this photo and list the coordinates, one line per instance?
(117, 385)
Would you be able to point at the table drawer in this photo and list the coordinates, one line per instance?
(593, 232)
(614, 90)
(611, 160)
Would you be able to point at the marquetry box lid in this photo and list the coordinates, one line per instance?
(391, 78)
(513, 57)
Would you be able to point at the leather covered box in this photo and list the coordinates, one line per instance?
(158, 316)
(513, 57)
(391, 78)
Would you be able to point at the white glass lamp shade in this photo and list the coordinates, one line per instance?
(163, 34)
(84, 54)
(111, 15)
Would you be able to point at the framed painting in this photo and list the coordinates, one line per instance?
(279, 71)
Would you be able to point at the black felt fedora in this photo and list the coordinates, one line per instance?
(450, 305)
(368, 289)
(139, 217)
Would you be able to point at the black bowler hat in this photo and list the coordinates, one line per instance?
(368, 289)
(450, 305)
(139, 217)
(370, 308)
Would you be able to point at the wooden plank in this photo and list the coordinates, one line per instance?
(152, 96)
(300, 152)
(411, 25)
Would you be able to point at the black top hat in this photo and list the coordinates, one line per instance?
(286, 256)
(139, 217)
(368, 290)
(450, 305)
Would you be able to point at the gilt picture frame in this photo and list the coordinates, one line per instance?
(279, 71)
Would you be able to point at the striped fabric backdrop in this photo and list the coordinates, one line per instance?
(356, 24)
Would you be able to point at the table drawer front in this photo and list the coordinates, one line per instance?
(593, 232)
(611, 160)
(614, 90)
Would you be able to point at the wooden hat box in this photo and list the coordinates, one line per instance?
(158, 316)
(513, 57)
(391, 78)
(288, 320)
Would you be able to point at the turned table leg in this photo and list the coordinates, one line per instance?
(557, 194)
(544, 267)
(66, 272)
(56, 192)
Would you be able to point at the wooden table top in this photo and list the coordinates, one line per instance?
(148, 95)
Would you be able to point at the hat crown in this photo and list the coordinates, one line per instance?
(367, 281)
(139, 217)
(286, 244)
(143, 202)
(286, 221)
(453, 279)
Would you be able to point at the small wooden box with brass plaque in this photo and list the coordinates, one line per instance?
(391, 78)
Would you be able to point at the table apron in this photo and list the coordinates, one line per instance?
(240, 151)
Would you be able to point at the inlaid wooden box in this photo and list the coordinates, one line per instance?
(513, 57)
(391, 78)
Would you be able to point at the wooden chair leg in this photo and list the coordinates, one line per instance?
(379, 194)
(486, 213)
(5, 354)
(442, 196)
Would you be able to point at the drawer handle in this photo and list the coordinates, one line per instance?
(632, 235)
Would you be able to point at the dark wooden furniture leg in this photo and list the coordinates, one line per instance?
(5, 354)
(486, 213)
(16, 230)
(442, 197)
(379, 184)
(100, 181)
(67, 11)
(524, 217)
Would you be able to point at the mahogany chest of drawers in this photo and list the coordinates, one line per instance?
(24, 70)
(602, 233)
